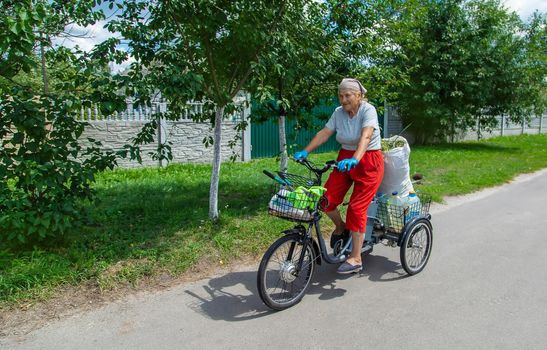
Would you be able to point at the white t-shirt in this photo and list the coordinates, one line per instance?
(348, 130)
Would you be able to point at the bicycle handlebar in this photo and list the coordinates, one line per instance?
(281, 179)
(268, 174)
(317, 171)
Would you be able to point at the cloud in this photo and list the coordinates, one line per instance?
(525, 8)
(87, 37)
(115, 68)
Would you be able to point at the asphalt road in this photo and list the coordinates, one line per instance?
(485, 287)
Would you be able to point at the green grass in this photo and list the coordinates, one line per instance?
(453, 169)
(149, 222)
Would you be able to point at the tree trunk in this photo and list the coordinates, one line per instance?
(48, 125)
(215, 175)
(44, 68)
(453, 128)
(283, 144)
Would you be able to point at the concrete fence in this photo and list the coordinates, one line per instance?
(536, 125)
(135, 112)
(184, 135)
(506, 128)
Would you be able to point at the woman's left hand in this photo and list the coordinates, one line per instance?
(347, 164)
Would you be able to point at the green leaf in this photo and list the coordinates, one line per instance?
(14, 28)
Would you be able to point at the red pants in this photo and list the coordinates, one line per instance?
(365, 177)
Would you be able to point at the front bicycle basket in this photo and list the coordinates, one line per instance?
(295, 197)
(395, 217)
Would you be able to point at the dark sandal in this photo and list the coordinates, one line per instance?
(347, 268)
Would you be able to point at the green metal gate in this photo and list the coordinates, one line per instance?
(265, 139)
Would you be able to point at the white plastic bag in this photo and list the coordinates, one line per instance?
(397, 169)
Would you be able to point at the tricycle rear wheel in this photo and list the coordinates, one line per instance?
(416, 246)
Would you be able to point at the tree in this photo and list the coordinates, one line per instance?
(334, 39)
(437, 69)
(467, 67)
(300, 71)
(532, 92)
(44, 171)
(371, 34)
(504, 64)
(209, 49)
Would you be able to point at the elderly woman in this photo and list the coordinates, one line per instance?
(360, 162)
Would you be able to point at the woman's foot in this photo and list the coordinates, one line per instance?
(348, 268)
(335, 237)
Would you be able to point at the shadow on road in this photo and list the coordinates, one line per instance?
(378, 268)
(234, 296)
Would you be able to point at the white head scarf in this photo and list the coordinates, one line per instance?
(352, 84)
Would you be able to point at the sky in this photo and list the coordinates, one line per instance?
(97, 33)
(92, 35)
(525, 8)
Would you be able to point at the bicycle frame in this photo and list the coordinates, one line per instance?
(318, 246)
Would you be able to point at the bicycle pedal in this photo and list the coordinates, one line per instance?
(367, 249)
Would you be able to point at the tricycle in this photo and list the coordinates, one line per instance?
(288, 265)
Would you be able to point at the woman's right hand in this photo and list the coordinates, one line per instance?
(347, 164)
(301, 155)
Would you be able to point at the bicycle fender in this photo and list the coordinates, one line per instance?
(318, 257)
(292, 231)
(315, 245)
(406, 229)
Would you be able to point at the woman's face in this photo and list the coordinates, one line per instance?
(350, 100)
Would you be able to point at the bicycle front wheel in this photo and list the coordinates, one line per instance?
(282, 280)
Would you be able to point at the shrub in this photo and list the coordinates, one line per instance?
(45, 174)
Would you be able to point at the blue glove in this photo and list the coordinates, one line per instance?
(347, 164)
(301, 155)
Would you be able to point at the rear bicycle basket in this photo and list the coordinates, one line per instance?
(295, 197)
(395, 217)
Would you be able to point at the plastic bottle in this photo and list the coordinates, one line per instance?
(280, 205)
(372, 212)
(396, 209)
(414, 206)
(280, 202)
(381, 213)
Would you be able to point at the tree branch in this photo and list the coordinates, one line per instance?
(26, 87)
(185, 44)
(241, 82)
(232, 79)
(302, 98)
(249, 71)
(209, 54)
(272, 108)
(282, 110)
(43, 65)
